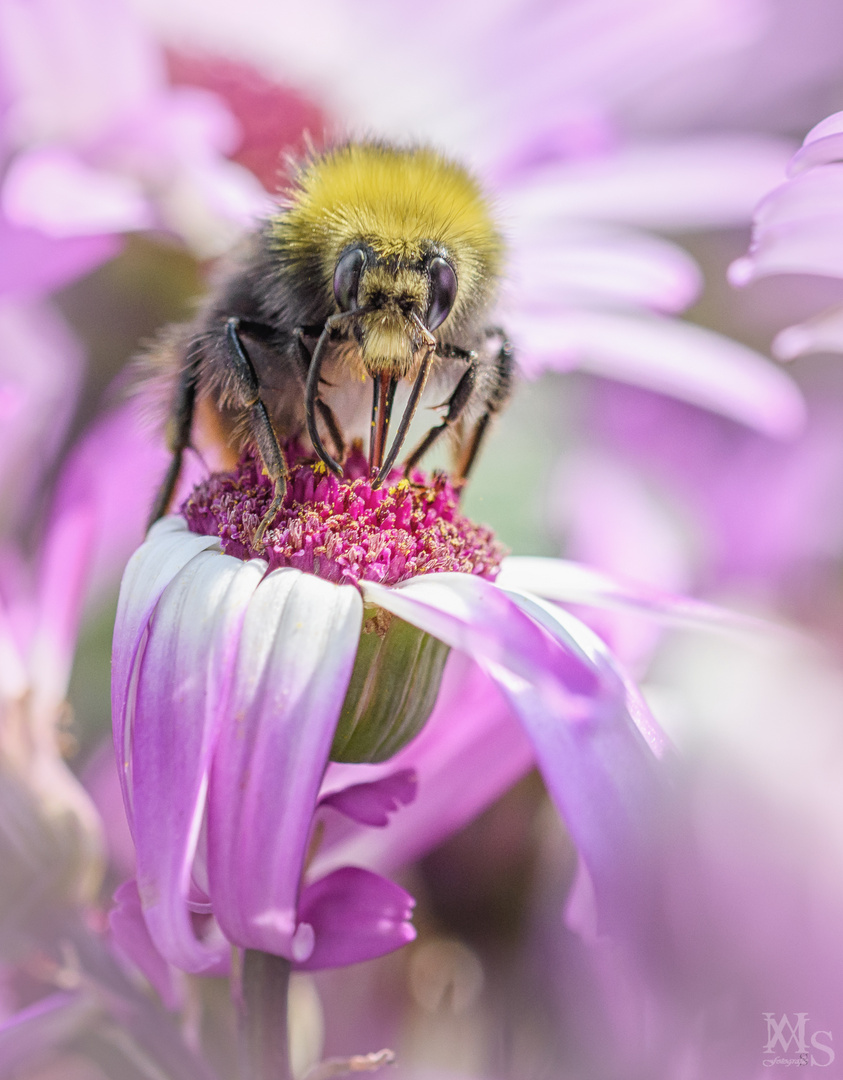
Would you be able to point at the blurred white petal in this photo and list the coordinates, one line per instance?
(673, 358)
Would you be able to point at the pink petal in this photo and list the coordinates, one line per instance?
(822, 144)
(180, 702)
(670, 357)
(374, 802)
(295, 657)
(32, 263)
(356, 915)
(131, 935)
(474, 616)
(40, 371)
(803, 247)
(53, 190)
(65, 565)
(115, 470)
(823, 333)
(815, 194)
(590, 265)
(691, 184)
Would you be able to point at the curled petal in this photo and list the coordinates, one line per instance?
(472, 615)
(574, 583)
(356, 915)
(595, 750)
(605, 777)
(294, 661)
(180, 700)
(373, 802)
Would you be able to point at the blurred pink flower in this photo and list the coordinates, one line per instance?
(97, 143)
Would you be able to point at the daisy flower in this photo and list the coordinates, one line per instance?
(239, 677)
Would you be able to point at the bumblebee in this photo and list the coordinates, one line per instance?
(381, 264)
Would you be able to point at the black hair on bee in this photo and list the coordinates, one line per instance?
(380, 263)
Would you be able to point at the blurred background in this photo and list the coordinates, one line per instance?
(626, 144)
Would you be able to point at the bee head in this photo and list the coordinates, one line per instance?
(393, 295)
(403, 235)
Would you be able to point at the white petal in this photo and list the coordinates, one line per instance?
(698, 183)
(600, 265)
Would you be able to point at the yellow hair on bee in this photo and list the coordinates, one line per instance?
(398, 201)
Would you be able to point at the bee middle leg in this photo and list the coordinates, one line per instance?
(262, 430)
(456, 403)
(179, 427)
(498, 394)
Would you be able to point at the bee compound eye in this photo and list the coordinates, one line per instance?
(347, 278)
(443, 291)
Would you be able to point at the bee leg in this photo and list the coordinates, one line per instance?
(311, 390)
(497, 396)
(263, 432)
(456, 403)
(178, 438)
(325, 411)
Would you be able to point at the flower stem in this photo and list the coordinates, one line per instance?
(265, 1053)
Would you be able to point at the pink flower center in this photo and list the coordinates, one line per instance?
(340, 529)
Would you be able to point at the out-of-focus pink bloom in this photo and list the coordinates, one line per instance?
(535, 99)
(96, 141)
(50, 831)
(51, 842)
(692, 502)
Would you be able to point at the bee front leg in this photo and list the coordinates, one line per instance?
(263, 432)
(499, 393)
(325, 410)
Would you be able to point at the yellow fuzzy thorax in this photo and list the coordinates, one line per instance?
(398, 201)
